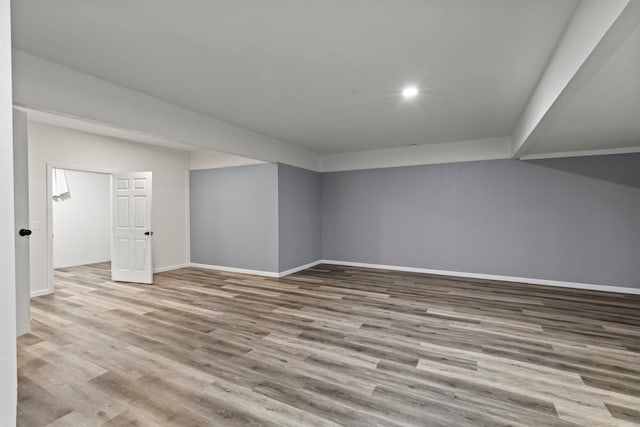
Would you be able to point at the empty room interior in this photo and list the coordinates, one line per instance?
(320, 213)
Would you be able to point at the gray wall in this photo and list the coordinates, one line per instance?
(502, 217)
(299, 216)
(234, 217)
(574, 220)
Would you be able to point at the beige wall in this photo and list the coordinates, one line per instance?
(78, 150)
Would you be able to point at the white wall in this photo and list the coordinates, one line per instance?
(78, 150)
(8, 378)
(82, 221)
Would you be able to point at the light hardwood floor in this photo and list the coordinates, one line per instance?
(327, 346)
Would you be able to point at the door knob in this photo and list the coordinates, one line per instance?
(148, 233)
(24, 232)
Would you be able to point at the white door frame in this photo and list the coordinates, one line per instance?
(49, 225)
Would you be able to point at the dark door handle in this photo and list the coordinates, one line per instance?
(148, 233)
(24, 232)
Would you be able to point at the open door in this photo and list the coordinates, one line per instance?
(131, 259)
(21, 212)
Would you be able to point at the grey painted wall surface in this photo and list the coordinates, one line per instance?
(234, 217)
(618, 168)
(299, 216)
(502, 217)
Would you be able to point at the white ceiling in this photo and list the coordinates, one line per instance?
(322, 75)
(605, 114)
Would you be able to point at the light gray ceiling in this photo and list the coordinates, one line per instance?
(323, 75)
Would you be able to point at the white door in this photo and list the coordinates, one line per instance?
(131, 235)
(21, 212)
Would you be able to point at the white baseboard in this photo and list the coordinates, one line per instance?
(544, 282)
(587, 286)
(235, 270)
(257, 272)
(299, 268)
(40, 293)
(170, 267)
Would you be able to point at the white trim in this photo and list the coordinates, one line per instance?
(40, 293)
(299, 268)
(171, 267)
(256, 272)
(544, 282)
(187, 217)
(235, 270)
(602, 152)
(49, 228)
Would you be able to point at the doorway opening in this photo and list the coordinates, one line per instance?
(79, 219)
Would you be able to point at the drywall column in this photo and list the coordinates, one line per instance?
(8, 377)
(264, 218)
(298, 217)
(234, 217)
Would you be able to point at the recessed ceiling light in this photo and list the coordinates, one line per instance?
(410, 92)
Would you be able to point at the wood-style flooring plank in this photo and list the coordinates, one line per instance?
(328, 346)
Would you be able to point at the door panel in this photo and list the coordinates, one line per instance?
(21, 212)
(140, 252)
(139, 214)
(132, 249)
(123, 211)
